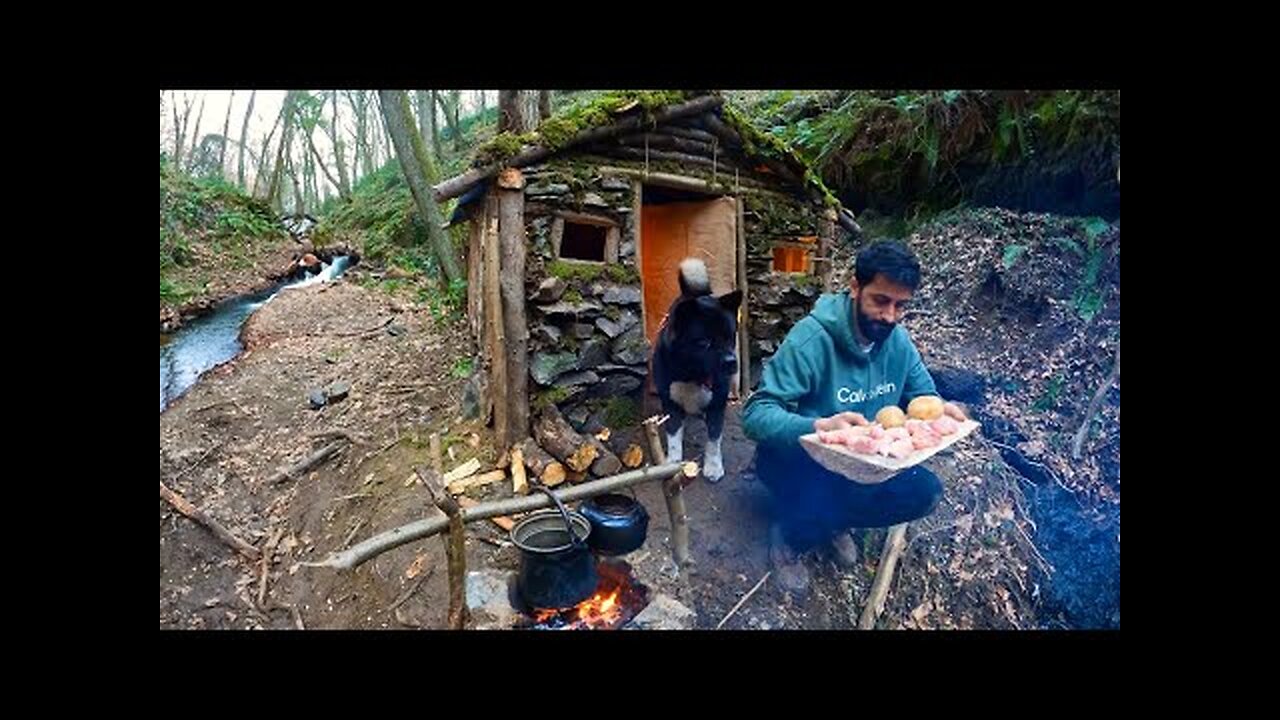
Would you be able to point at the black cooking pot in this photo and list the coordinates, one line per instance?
(618, 523)
(556, 566)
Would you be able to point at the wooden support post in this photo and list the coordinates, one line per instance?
(673, 492)
(744, 314)
(454, 541)
(515, 348)
(893, 545)
(499, 382)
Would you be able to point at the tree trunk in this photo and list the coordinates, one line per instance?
(424, 117)
(517, 111)
(298, 201)
(286, 136)
(335, 136)
(226, 128)
(180, 128)
(418, 171)
(544, 105)
(435, 126)
(244, 139)
(262, 158)
(360, 159)
(195, 137)
(342, 191)
(455, 102)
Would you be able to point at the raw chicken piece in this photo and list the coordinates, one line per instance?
(915, 426)
(901, 449)
(898, 433)
(875, 431)
(944, 425)
(925, 439)
(864, 445)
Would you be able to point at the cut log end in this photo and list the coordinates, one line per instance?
(633, 457)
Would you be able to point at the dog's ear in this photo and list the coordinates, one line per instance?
(730, 301)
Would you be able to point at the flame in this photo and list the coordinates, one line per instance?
(600, 609)
(615, 601)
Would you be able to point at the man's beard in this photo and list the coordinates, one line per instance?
(873, 330)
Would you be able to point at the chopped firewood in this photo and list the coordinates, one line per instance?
(553, 474)
(633, 457)
(519, 482)
(467, 468)
(460, 486)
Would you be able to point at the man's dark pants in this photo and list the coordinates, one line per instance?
(812, 504)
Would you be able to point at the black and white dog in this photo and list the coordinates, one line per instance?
(693, 361)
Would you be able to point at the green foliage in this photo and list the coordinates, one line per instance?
(1048, 400)
(1011, 255)
(463, 367)
(544, 399)
(621, 412)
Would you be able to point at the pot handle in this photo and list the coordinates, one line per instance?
(564, 512)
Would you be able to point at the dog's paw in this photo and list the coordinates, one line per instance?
(713, 467)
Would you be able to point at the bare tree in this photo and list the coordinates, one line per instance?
(360, 160)
(544, 105)
(195, 134)
(262, 156)
(420, 173)
(426, 121)
(226, 128)
(180, 126)
(435, 126)
(286, 136)
(335, 137)
(517, 110)
(244, 138)
(450, 108)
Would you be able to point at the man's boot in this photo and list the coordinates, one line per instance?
(845, 549)
(787, 565)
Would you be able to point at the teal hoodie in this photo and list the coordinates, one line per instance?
(819, 371)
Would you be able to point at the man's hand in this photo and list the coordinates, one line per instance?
(955, 412)
(839, 421)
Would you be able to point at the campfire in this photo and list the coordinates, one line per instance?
(618, 598)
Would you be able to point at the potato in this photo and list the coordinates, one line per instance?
(925, 407)
(891, 417)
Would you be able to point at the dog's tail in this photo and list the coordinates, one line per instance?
(693, 278)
